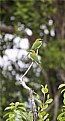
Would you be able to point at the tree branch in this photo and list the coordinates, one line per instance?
(30, 92)
(33, 106)
(21, 78)
(7, 29)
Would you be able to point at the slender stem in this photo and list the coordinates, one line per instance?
(26, 71)
(37, 52)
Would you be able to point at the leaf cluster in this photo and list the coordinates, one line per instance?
(16, 111)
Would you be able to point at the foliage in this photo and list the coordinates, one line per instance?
(42, 114)
(61, 116)
(53, 55)
(16, 111)
(27, 14)
(45, 21)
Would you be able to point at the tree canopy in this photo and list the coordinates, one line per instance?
(31, 19)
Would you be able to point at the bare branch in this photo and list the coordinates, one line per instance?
(21, 78)
(33, 106)
(32, 99)
(24, 85)
(30, 92)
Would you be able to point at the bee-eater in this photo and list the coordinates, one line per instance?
(37, 44)
(34, 56)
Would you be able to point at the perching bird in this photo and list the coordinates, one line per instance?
(34, 56)
(37, 44)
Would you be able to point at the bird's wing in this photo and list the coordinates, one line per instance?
(36, 45)
(34, 57)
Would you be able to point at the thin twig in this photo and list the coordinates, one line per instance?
(21, 78)
(37, 52)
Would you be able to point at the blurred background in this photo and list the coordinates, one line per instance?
(21, 22)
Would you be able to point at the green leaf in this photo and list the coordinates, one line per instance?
(16, 104)
(6, 114)
(46, 116)
(46, 86)
(39, 101)
(64, 98)
(60, 116)
(22, 108)
(11, 103)
(38, 108)
(60, 86)
(41, 114)
(31, 118)
(44, 89)
(45, 106)
(23, 115)
(48, 96)
(64, 95)
(63, 106)
(49, 101)
(7, 119)
(7, 108)
(12, 107)
(21, 104)
(63, 91)
(47, 119)
(37, 96)
(12, 115)
(20, 119)
(29, 113)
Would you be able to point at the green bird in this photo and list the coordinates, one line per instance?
(34, 56)
(37, 44)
